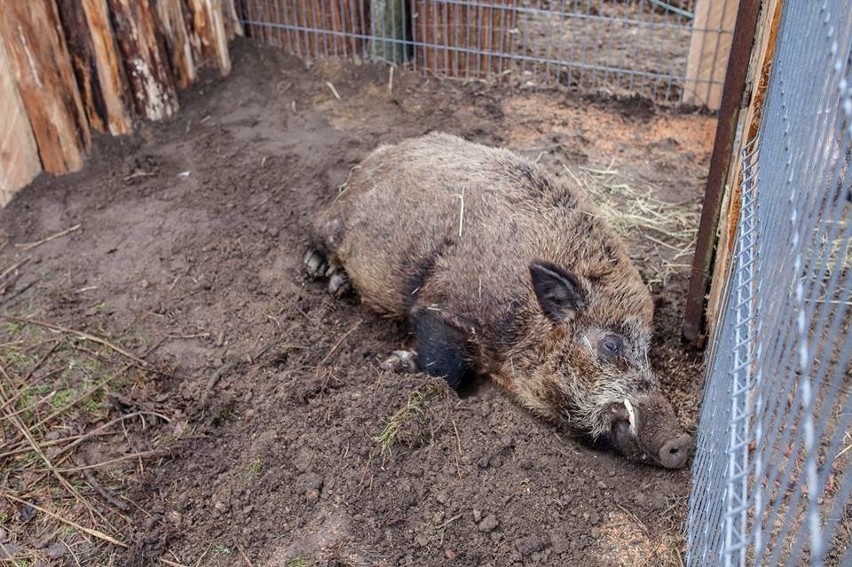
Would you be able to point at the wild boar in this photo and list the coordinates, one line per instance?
(503, 270)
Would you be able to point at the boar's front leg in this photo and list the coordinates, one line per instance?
(441, 347)
(439, 350)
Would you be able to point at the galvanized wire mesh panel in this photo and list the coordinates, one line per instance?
(772, 479)
(615, 47)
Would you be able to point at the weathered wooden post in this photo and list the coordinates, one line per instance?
(208, 29)
(709, 48)
(19, 162)
(391, 31)
(40, 62)
(173, 18)
(97, 65)
(145, 59)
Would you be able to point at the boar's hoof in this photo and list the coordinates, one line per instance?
(673, 455)
(315, 264)
(401, 361)
(338, 284)
(318, 266)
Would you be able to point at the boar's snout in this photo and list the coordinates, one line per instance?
(674, 454)
(647, 430)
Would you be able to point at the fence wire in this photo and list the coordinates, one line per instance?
(771, 474)
(610, 47)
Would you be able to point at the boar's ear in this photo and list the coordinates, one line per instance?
(559, 292)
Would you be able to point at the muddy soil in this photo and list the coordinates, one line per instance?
(191, 238)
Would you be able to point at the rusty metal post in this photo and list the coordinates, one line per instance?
(723, 146)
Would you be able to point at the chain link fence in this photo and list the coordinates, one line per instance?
(669, 51)
(771, 472)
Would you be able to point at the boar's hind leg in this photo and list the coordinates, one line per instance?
(440, 348)
(319, 266)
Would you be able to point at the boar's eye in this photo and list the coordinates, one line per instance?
(611, 346)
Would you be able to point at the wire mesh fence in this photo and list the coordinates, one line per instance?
(665, 50)
(771, 475)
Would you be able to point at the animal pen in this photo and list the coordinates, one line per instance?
(771, 482)
(670, 52)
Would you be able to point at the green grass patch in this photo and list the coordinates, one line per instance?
(253, 470)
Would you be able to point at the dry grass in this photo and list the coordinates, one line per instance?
(403, 418)
(62, 474)
(828, 254)
(636, 213)
(625, 541)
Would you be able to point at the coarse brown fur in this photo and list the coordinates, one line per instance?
(446, 226)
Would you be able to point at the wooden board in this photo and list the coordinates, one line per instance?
(174, 20)
(259, 13)
(341, 25)
(233, 27)
(709, 48)
(94, 56)
(208, 32)
(40, 62)
(451, 31)
(19, 162)
(760, 67)
(145, 58)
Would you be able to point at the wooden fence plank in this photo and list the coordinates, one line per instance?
(709, 47)
(233, 27)
(19, 162)
(145, 58)
(174, 21)
(39, 60)
(94, 56)
(461, 40)
(760, 65)
(209, 32)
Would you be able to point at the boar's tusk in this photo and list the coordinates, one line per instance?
(632, 415)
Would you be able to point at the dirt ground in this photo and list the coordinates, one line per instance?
(266, 402)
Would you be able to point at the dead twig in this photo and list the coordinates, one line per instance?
(458, 439)
(461, 212)
(37, 449)
(92, 532)
(60, 234)
(91, 390)
(172, 563)
(138, 174)
(141, 455)
(105, 494)
(195, 336)
(633, 516)
(80, 334)
(24, 449)
(15, 266)
(340, 342)
(244, 556)
(107, 425)
(443, 527)
(333, 90)
(203, 555)
(7, 300)
(214, 379)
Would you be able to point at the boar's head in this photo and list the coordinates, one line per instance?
(590, 366)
